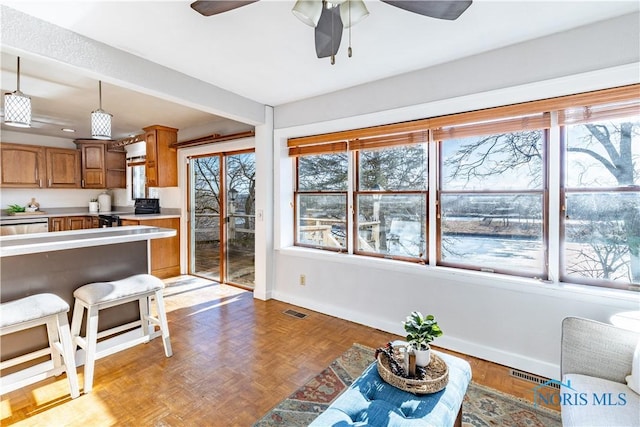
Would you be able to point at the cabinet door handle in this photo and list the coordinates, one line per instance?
(82, 183)
(49, 182)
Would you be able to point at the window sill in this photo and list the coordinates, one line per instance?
(493, 280)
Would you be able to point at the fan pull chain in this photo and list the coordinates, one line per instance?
(349, 51)
(333, 57)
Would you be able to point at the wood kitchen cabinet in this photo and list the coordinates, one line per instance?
(116, 167)
(165, 253)
(22, 165)
(93, 166)
(63, 168)
(64, 223)
(161, 164)
(34, 166)
(102, 167)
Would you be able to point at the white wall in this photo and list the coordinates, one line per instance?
(509, 320)
(606, 44)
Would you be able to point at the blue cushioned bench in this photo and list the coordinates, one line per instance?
(371, 401)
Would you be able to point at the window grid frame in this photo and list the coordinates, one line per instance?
(565, 190)
(433, 226)
(358, 192)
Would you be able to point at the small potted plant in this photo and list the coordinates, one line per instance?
(421, 330)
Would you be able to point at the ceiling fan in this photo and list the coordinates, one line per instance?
(329, 17)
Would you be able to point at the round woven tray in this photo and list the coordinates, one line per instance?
(436, 378)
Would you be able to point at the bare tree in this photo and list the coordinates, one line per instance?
(608, 147)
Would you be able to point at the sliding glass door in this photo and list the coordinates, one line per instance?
(240, 242)
(222, 217)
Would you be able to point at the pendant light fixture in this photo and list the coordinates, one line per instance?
(17, 106)
(100, 120)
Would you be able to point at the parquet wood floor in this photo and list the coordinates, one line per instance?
(234, 359)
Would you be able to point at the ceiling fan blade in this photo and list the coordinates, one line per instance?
(328, 32)
(440, 9)
(214, 7)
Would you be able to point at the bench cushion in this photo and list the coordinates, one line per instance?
(372, 401)
(101, 292)
(30, 308)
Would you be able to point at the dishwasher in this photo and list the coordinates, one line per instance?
(12, 226)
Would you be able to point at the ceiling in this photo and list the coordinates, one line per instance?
(261, 51)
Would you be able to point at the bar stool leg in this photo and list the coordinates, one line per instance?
(164, 326)
(92, 343)
(147, 328)
(53, 335)
(68, 350)
(76, 322)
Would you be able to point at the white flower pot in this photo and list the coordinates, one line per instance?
(93, 206)
(423, 357)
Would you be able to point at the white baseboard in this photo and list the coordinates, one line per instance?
(492, 354)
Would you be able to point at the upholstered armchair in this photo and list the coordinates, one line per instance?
(596, 366)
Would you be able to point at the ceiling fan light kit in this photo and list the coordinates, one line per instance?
(100, 120)
(308, 11)
(352, 12)
(17, 106)
(329, 17)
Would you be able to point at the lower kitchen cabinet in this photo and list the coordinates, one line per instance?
(64, 223)
(165, 253)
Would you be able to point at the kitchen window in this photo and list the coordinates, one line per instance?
(137, 177)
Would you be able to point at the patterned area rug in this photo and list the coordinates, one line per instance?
(482, 406)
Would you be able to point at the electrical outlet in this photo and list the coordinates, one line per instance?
(303, 280)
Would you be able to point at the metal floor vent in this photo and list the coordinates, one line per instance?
(533, 378)
(295, 314)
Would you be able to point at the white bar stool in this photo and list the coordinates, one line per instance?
(100, 295)
(30, 312)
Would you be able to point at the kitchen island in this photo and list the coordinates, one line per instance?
(63, 261)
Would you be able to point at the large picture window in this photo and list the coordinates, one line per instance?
(492, 203)
(391, 201)
(601, 220)
(321, 201)
(547, 189)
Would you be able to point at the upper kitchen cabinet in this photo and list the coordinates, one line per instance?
(63, 168)
(93, 164)
(101, 166)
(116, 167)
(34, 166)
(22, 165)
(161, 158)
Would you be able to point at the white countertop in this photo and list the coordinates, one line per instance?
(45, 242)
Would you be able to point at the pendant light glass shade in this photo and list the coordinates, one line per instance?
(100, 124)
(356, 8)
(100, 120)
(17, 106)
(308, 11)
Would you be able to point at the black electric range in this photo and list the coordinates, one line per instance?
(147, 206)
